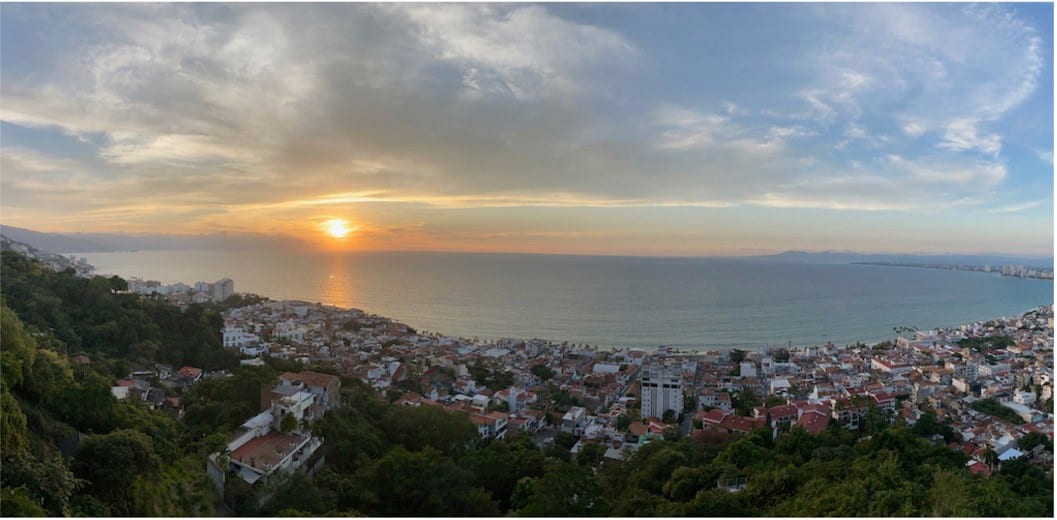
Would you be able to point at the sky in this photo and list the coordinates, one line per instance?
(638, 129)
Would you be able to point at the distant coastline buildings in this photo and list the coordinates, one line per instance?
(181, 293)
(1016, 271)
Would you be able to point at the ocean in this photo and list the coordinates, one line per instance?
(685, 303)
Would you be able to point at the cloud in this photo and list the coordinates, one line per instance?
(1020, 207)
(21, 159)
(283, 108)
(961, 134)
(521, 51)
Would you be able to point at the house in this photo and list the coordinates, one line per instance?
(326, 387)
(573, 421)
(279, 439)
(813, 421)
(711, 418)
(490, 426)
(189, 375)
(743, 425)
(781, 414)
(648, 428)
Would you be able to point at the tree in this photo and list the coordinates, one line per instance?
(17, 502)
(689, 402)
(781, 356)
(499, 466)
(542, 371)
(297, 492)
(422, 483)
(744, 401)
(669, 416)
(591, 454)
(991, 458)
(113, 463)
(563, 490)
(448, 432)
(288, 423)
(1032, 439)
(737, 356)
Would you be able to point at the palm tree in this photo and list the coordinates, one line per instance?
(991, 458)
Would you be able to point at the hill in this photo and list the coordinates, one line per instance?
(54, 242)
(840, 257)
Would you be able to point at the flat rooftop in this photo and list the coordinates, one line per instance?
(263, 453)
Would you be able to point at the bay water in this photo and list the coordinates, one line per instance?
(686, 303)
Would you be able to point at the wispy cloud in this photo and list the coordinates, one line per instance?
(1020, 207)
(296, 108)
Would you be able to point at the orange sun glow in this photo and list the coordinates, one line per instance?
(336, 228)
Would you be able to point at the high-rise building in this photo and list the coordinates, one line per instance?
(223, 289)
(662, 390)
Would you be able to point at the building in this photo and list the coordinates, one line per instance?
(235, 337)
(279, 439)
(223, 289)
(662, 390)
(574, 420)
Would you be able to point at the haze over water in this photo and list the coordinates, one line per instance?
(697, 303)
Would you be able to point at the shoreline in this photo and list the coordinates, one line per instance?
(685, 350)
(677, 351)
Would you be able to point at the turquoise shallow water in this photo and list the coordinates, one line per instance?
(610, 301)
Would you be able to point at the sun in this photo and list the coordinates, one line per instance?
(336, 228)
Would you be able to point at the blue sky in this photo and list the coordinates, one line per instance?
(582, 128)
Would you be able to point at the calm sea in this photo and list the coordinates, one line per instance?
(609, 301)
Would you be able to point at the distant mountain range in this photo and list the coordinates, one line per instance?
(842, 257)
(54, 242)
(109, 242)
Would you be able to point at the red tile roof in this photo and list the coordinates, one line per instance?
(310, 378)
(813, 422)
(190, 372)
(784, 410)
(266, 451)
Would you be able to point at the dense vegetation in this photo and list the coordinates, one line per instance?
(119, 330)
(986, 344)
(386, 460)
(993, 407)
(131, 461)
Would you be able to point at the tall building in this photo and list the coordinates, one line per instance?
(662, 390)
(223, 289)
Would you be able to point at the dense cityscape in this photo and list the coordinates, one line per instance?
(957, 374)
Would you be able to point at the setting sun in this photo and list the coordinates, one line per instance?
(336, 228)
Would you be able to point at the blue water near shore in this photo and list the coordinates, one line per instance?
(699, 303)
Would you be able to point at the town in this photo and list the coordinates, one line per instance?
(990, 382)
(1015, 271)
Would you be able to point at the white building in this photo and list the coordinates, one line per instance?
(278, 439)
(290, 331)
(1024, 398)
(662, 390)
(235, 337)
(223, 289)
(573, 421)
(748, 369)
